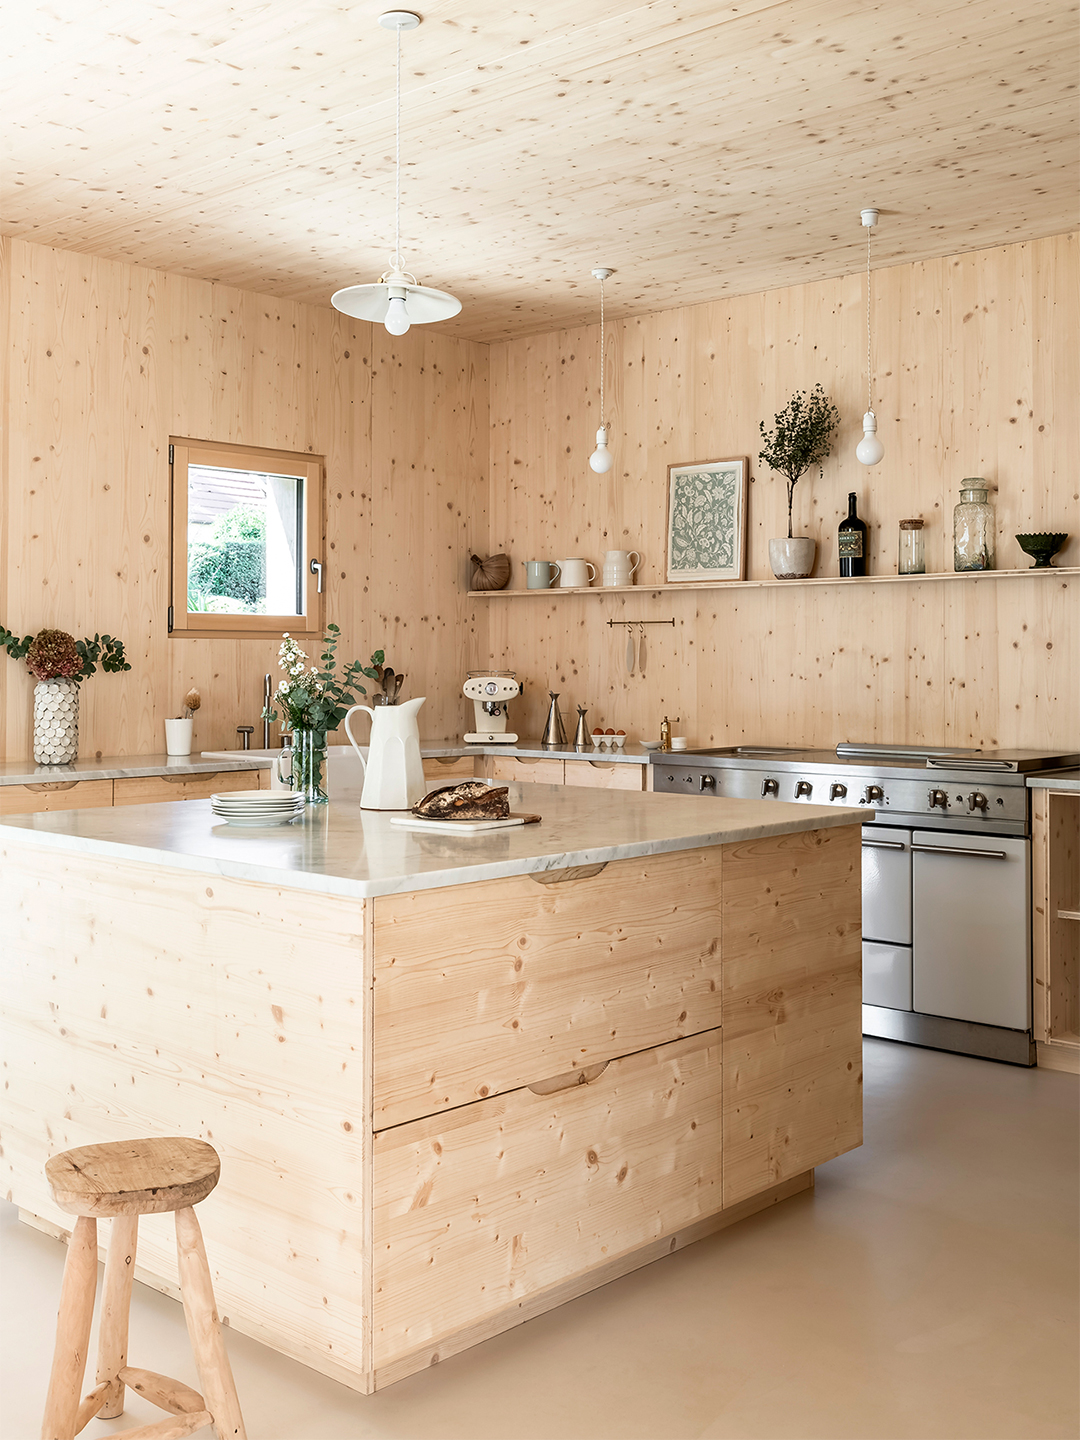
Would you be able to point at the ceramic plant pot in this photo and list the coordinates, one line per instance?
(56, 722)
(792, 559)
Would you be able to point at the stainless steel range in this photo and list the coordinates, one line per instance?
(946, 876)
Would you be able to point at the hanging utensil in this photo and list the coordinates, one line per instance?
(641, 652)
(398, 678)
(629, 652)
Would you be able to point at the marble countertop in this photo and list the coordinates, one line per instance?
(342, 850)
(1055, 780)
(119, 767)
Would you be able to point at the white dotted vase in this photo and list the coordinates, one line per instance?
(56, 721)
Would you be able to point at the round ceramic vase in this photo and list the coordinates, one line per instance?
(792, 559)
(56, 722)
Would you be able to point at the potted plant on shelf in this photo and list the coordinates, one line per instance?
(313, 700)
(801, 437)
(60, 663)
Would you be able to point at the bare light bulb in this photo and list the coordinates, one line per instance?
(601, 459)
(397, 317)
(869, 450)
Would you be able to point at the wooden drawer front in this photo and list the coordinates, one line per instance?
(483, 988)
(55, 795)
(147, 789)
(604, 775)
(792, 1006)
(480, 1207)
(454, 767)
(505, 768)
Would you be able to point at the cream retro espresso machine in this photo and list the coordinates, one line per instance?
(490, 691)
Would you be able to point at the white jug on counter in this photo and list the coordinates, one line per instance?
(393, 771)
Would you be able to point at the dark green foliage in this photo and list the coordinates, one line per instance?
(101, 648)
(802, 437)
(231, 562)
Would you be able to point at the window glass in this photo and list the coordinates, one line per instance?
(244, 538)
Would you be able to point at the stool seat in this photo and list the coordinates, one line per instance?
(133, 1177)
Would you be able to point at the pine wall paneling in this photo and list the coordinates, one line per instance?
(976, 373)
(103, 361)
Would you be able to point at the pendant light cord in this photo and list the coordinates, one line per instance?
(869, 381)
(602, 420)
(397, 260)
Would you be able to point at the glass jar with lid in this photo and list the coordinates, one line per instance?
(973, 527)
(912, 550)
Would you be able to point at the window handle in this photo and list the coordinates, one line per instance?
(317, 569)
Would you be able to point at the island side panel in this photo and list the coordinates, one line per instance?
(483, 988)
(140, 1000)
(792, 1019)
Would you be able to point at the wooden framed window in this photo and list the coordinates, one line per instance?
(247, 541)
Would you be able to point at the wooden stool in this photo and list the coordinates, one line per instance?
(126, 1180)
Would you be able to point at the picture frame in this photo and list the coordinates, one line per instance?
(706, 525)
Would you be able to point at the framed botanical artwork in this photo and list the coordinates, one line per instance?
(706, 534)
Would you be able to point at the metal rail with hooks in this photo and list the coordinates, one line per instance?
(641, 622)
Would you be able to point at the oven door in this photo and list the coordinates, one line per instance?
(886, 912)
(971, 928)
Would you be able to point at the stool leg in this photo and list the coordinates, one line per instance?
(204, 1329)
(72, 1332)
(115, 1308)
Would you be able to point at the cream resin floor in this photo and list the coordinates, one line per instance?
(927, 1288)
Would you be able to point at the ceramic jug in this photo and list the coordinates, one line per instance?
(393, 771)
(617, 567)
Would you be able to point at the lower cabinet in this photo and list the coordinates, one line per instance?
(55, 795)
(604, 775)
(506, 768)
(440, 770)
(147, 789)
(479, 1208)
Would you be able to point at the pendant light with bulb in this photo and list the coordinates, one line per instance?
(869, 450)
(397, 300)
(601, 460)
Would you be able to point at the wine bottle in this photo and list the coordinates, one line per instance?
(851, 542)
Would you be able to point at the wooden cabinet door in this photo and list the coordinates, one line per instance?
(481, 1207)
(33, 799)
(792, 1015)
(482, 988)
(506, 768)
(147, 789)
(604, 774)
(439, 770)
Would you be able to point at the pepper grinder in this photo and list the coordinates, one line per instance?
(554, 734)
(665, 734)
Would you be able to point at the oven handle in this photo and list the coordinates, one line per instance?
(884, 845)
(959, 850)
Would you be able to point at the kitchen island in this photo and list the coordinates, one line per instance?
(453, 1080)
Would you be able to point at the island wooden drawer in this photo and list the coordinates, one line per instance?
(483, 988)
(604, 775)
(479, 1208)
(445, 771)
(505, 768)
(34, 798)
(148, 789)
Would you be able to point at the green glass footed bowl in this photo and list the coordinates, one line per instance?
(1041, 548)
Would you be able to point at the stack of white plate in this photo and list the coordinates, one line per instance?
(257, 807)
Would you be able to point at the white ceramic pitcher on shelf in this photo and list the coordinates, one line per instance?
(617, 567)
(393, 771)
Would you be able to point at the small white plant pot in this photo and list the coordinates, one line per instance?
(792, 559)
(178, 736)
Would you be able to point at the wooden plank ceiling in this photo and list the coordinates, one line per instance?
(702, 149)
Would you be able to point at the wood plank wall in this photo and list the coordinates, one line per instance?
(977, 372)
(102, 361)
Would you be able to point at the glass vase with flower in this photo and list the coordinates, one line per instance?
(313, 700)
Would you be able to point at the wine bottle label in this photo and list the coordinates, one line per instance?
(850, 544)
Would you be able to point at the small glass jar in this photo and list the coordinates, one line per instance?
(912, 549)
(973, 527)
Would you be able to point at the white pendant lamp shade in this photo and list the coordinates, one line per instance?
(396, 300)
(869, 450)
(601, 460)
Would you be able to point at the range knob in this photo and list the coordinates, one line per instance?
(938, 799)
(708, 782)
(803, 787)
(770, 787)
(837, 792)
(874, 795)
(977, 801)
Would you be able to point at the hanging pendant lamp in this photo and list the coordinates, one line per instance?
(601, 460)
(869, 450)
(397, 300)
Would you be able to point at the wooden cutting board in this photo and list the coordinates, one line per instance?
(461, 827)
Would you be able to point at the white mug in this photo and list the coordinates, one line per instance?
(576, 574)
(617, 567)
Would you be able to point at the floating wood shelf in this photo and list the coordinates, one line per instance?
(765, 584)
(1069, 914)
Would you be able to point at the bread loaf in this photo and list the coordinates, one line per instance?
(471, 800)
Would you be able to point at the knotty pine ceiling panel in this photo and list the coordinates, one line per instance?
(701, 150)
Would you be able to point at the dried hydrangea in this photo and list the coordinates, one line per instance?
(54, 656)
